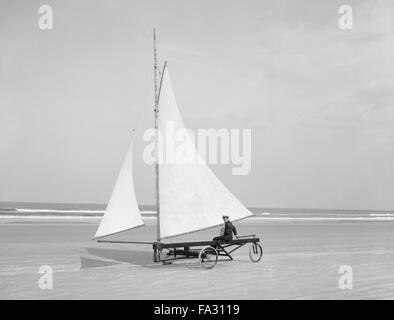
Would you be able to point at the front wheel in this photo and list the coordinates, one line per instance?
(255, 252)
(208, 257)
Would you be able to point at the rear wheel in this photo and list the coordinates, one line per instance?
(158, 255)
(255, 252)
(208, 257)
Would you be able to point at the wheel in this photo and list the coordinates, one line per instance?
(208, 257)
(157, 255)
(255, 252)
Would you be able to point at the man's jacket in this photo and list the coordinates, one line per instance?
(229, 229)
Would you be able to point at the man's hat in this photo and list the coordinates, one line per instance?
(225, 216)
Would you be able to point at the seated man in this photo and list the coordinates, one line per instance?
(229, 229)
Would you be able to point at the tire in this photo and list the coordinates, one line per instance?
(208, 257)
(255, 252)
(157, 256)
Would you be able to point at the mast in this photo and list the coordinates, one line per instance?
(156, 110)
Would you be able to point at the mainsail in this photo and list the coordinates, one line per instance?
(122, 211)
(191, 197)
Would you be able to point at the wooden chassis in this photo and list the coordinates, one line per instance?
(190, 250)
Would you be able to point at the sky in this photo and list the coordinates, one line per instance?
(319, 100)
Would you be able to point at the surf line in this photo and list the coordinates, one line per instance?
(166, 310)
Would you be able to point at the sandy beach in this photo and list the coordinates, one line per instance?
(301, 261)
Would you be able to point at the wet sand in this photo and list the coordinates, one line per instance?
(301, 261)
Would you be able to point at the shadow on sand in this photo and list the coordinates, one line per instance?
(136, 258)
(88, 263)
(116, 256)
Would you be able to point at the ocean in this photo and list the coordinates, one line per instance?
(76, 210)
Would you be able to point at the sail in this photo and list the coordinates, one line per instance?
(191, 197)
(122, 212)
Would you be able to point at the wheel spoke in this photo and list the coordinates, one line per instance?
(208, 257)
